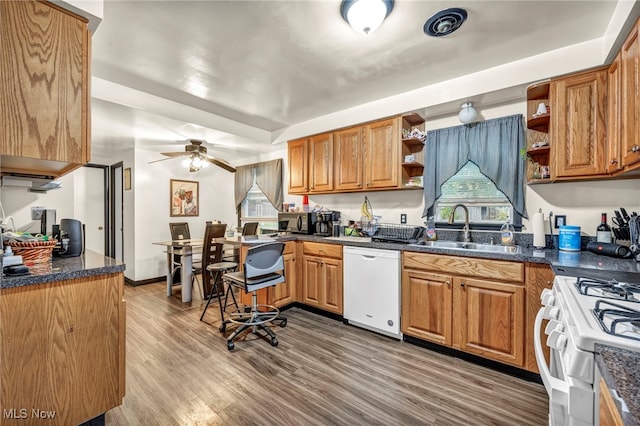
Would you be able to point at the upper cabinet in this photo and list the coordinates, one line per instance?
(366, 157)
(578, 124)
(44, 91)
(630, 91)
(613, 161)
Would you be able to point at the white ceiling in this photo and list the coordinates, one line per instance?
(233, 72)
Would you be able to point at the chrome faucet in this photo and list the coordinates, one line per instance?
(465, 228)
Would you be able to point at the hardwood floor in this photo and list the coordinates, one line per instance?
(179, 372)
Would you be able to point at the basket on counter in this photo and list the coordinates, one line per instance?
(34, 251)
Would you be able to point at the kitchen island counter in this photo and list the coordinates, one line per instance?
(60, 269)
(620, 369)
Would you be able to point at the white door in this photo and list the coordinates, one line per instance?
(90, 206)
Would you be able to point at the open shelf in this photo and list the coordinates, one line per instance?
(413, 142)
(540, 123)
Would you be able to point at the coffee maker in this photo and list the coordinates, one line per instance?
(70, 236)
(324, 222)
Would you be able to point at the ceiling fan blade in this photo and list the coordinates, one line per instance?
(155, 161)
(175, 154)
(221, 163)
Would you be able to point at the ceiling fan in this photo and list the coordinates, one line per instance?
(197, 157)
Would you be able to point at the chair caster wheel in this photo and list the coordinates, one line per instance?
(274, 342)
(283, 323)
(222, 328)
(230, 345)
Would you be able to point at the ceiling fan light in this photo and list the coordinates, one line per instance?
(365, 16)
(186, 162)
(196, 162)
(467, 113)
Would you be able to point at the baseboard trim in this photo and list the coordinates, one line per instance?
(129, 281)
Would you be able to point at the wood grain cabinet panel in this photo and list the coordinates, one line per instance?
(490, 318)
(322, 276)
(426, 306)
(298, 166)
(62, 348)
(539, 276)
(608, 411)
(613, 161)
(382, 152)
(285, 293)
(578, 124)
(44, 54)
(445, 302)
(321, 163)
(630, 91)
(348, 159)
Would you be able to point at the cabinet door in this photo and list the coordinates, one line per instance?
(630, 130)
(332, 285)
(321, 163)
(579, 109)
(312, 275)
(348, 158)
(284, 294)
(614, 117)
(45, 109)
(426, 306)
(298, 166)
(382, 152)
(490, 319)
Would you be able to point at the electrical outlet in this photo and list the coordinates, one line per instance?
(403, 218)
(560, 220)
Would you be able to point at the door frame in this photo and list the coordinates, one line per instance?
(107, 217)
(113, 168)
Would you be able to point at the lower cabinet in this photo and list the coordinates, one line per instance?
(62, 349)
(322, 276)
(608, 411)
(461, 303)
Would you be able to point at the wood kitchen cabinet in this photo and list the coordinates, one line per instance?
(382, 152)
(539, 276)
(366, 157)
(322, 276)
(630, 90)
(44, 120)
(348, 160)
(613, 161)
(608, 411)
(578, 124)
(474, 305)
(62, 348)
(321, 163)
(538, 132)
(298, 166)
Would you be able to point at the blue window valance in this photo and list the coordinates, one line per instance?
(493, 145)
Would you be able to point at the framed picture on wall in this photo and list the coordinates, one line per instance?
(184, 198)
(127, 178)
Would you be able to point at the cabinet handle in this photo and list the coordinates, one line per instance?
(462, 284)
(614, 161)
(448, 283)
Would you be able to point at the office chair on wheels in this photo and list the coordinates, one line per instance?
(263, 267)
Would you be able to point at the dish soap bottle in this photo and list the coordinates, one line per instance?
(507, 234)
(431, 229)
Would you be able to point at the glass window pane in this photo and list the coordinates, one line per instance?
(470, 187)
(257, 208)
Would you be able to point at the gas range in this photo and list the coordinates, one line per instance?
(600, 311)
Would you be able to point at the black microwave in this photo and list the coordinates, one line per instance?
(297, 223)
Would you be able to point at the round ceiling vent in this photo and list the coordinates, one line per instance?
(445, 22)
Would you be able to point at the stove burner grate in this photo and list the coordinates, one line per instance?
(611, 289)
(620, 315)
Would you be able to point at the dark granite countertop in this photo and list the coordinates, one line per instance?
(562, 263)
(620, 370)
(87, 265)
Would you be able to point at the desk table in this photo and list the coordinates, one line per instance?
(185, 249)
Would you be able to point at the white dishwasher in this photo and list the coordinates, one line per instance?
(371, 281)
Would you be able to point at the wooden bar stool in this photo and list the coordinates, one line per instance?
(217, 270)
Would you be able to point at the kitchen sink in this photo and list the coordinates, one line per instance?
(459, 245)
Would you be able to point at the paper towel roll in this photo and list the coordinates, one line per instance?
(537, 225)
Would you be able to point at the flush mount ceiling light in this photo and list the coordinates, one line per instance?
(467, 113)
(365, 16)
(445, 22)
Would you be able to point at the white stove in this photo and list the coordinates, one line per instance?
(581, 313)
